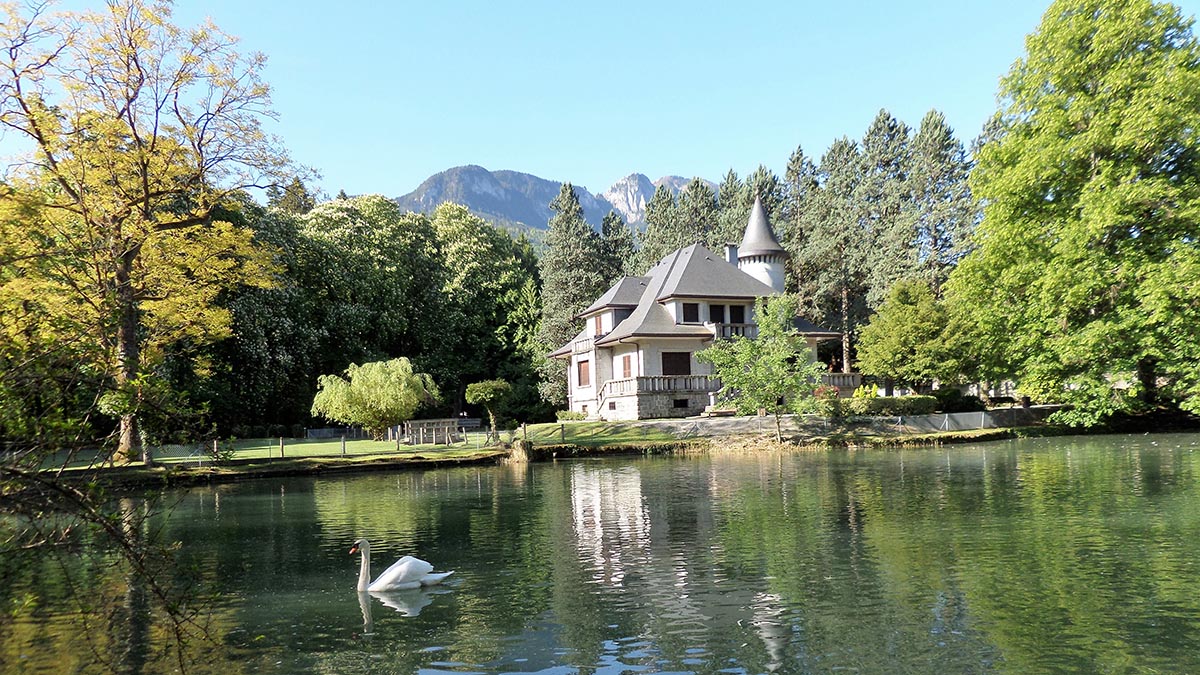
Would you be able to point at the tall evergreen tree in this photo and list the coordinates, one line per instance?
(835, 245)
(571, 279)
(883, 196)
(943, 212)
(293, 198)
(801, 207)
(617, 248)
(663, 233)
(696, 213)
(732, 213)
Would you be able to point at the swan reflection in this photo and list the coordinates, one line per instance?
(405, 603)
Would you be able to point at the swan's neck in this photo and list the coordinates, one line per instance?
(364, 568)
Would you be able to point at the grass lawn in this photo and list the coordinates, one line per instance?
(293, 448)
(592, 434)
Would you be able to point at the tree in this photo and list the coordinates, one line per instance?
(835, 247)
(571, 280)
(479, 321)
(1087, 260)
(883, 197)
(617, 248)
(489, 394)
(696, 213)
(774, 371)
(943, 212)
(139, 130)
(903, 341)
(294, 198)
(663, 233)
(375, 395)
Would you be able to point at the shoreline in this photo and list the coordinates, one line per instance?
(175, 475)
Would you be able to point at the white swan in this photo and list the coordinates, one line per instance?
(407, 572)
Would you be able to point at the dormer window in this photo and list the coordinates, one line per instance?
(716, 313)
(691, 312)
(598, 323)
(737, 314)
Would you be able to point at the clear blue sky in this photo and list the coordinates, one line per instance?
(378, 96)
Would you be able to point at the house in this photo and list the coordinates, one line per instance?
(636, 356)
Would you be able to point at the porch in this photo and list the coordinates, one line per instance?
(664, 396)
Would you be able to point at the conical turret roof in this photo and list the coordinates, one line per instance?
(759, 238)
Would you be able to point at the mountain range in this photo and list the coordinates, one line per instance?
(522, 201)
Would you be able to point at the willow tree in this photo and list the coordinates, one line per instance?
(135, 131)
(375, 395)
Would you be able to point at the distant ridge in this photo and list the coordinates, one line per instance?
(522, 201)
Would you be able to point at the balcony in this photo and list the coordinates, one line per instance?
(583, 345)
(659, 384)
(728, 330)
(845, 382)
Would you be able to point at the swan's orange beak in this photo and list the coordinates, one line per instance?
(353, 550)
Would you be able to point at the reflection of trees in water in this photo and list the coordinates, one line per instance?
(69, 545)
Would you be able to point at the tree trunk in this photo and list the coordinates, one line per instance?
(845, 329)
(129, 360)
(889, 386)
(1147, 374)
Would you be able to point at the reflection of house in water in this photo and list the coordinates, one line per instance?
(612, 526)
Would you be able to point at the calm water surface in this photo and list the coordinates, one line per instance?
(1047, 556)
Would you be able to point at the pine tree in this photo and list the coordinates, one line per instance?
(294, 198)
(662, 233)
(696, 214)
(801, 207)
(835, 244)
(883, 196)
(571, 280)
(943, 212)
(617, 248)
(732, 213)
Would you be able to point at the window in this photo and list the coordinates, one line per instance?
(691, 312)
(676, 363)
(599, 325)
(585, 374)
(737, 314)
(612, 405)
(680, 403)
(627, 365)
(716, 313)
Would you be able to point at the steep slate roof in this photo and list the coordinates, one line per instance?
(625, 293)
(696, 272)
(812, 330)
(759, 238)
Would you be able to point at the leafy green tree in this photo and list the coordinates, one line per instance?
(484, 276)
(489, 394)
(1087, 259)
(571, 280)
(772, 372)
(902, 343)
(138, 130)
(375, 395)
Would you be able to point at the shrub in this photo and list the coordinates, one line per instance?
(569, 416)
(951, 400)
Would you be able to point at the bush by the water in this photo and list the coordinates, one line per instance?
(951, 400)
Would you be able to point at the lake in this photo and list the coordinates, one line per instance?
(1055, 555)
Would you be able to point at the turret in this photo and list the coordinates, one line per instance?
(760, 254)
